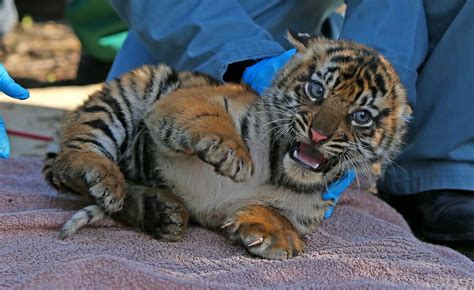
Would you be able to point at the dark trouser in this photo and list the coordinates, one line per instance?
(439, 153)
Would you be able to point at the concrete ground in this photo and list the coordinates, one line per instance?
(38, 115)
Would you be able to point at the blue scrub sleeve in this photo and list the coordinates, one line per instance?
(396, 28)
(203, 35)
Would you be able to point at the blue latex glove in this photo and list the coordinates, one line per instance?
(14, 90)
(335, 190)
(259, 77)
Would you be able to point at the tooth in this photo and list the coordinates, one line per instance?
(316, 166)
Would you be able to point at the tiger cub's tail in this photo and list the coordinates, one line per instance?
(85, 216)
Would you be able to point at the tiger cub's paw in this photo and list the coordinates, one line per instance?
(166, 216)
(107, 186)
(86, 172)
(264, 237)
(226, 155)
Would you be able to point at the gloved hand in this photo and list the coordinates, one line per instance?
(335, 190)
(14, 90)
(259, 76)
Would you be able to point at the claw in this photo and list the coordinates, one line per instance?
(256, 242)
(227, 224)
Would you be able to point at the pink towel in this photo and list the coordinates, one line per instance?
(364, 244)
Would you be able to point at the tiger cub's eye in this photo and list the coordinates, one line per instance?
(314, 90)
(362, 117)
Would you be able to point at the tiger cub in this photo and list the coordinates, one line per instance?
(156, 147)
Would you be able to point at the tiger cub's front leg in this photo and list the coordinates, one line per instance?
(196, 122)
(264, 232)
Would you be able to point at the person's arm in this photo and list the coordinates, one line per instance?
(397, 29)
(204, 35)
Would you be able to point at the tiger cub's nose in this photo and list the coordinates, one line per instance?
(317, 137)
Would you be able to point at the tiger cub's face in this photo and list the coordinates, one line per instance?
(339, 105)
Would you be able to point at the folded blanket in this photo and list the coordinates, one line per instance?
(364, 244)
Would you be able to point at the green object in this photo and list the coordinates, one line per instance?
(99, 29)
(113, 41)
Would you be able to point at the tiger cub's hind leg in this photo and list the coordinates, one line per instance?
(155, 211)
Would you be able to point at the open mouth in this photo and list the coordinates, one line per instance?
(308, 156)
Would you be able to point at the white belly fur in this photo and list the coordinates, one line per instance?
(204, 190)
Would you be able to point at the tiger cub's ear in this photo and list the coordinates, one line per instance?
(299, 40)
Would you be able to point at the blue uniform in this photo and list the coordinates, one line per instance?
(430, 43)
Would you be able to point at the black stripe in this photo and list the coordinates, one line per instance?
(332, 69)
(329, 79)
(226, 104)
(133, 84)
(171, 79)
(257, 121)
(335, 49)
(336, 146)
(128, 105)
(244, 128)
(72, 146)
(116, 108)
(97, 109)
(274, 158)
(392, 139)
(205, 115)
(139, 152)
(379, 80)
(51, 154)
(385, 112)
(152, 171)
(123, 95)
(94, 142)
(342, 59)
(337, 82)
(102, 126)
(148, 160)
(301, 122)
(149, 87)
(363, 102)
(90, 215)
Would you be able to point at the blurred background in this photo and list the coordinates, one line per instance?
(61, 51)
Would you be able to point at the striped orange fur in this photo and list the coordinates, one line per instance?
(156, 147)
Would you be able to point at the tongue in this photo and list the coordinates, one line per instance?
(311, 157)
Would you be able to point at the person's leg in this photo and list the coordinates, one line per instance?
(439, 155)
